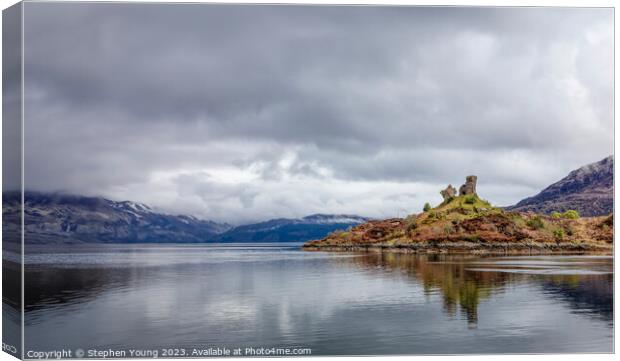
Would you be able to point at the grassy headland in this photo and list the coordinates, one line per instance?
(470, 224)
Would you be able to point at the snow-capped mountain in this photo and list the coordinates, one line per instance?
(62, 218)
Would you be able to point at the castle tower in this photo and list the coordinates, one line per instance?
(469, 187)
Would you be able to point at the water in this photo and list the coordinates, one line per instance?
(200, 296)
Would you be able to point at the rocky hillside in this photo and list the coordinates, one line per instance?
(588, 190)
(291, 230)
(60, 218)
(466, 223)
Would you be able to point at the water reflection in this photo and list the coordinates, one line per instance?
(447, 276)
(50, 287)
(591, 295)
(462, 286)
(334, 303)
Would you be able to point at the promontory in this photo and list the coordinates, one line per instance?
(464, 222)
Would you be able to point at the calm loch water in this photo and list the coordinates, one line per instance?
(155, 296)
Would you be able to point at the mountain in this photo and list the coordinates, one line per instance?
(62, 218)
(291, 230)
(588, 190)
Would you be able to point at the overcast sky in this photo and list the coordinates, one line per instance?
(244, 113)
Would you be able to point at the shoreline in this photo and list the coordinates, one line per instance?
(468, 248)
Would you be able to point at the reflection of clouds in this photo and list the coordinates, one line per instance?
(160, 304)
(130, 256)
(285, 317)
(351, 287)
(223, 310)
(362, 303)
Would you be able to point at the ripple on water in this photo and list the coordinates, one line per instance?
(547, 265)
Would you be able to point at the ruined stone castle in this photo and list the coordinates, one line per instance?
(468, 188)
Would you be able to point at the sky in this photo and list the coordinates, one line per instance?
(244, 113)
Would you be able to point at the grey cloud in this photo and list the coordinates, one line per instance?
(193, 101)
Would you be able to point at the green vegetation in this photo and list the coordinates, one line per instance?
(535, 223)
(558, 234)
(517, 219)
(340, 234)
(410, 224)
(427, 207)
(458, 208)
(469, 202)
(571, 214)
(473, 238)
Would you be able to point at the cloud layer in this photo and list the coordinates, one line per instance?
(241, 113)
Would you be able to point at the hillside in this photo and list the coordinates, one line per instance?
(291, 230)
(588, 190)
(467, 223)
(60, 218)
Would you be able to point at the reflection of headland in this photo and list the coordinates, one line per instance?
(450, 277)
(589, 294)
(462, 288)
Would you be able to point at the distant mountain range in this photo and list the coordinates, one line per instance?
(285, 230)
(62, 218)
(59, 218)
(588, 190)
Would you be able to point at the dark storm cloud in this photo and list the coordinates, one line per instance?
(212, 108)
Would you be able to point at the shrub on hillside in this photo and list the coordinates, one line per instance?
(410, 224)
(470, 199)
(535, 223)
(571, 214)
(427, 207)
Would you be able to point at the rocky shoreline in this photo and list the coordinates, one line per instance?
(470, 248)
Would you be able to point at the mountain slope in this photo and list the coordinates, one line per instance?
(588, 190)
(291, 230)
(61, 218)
